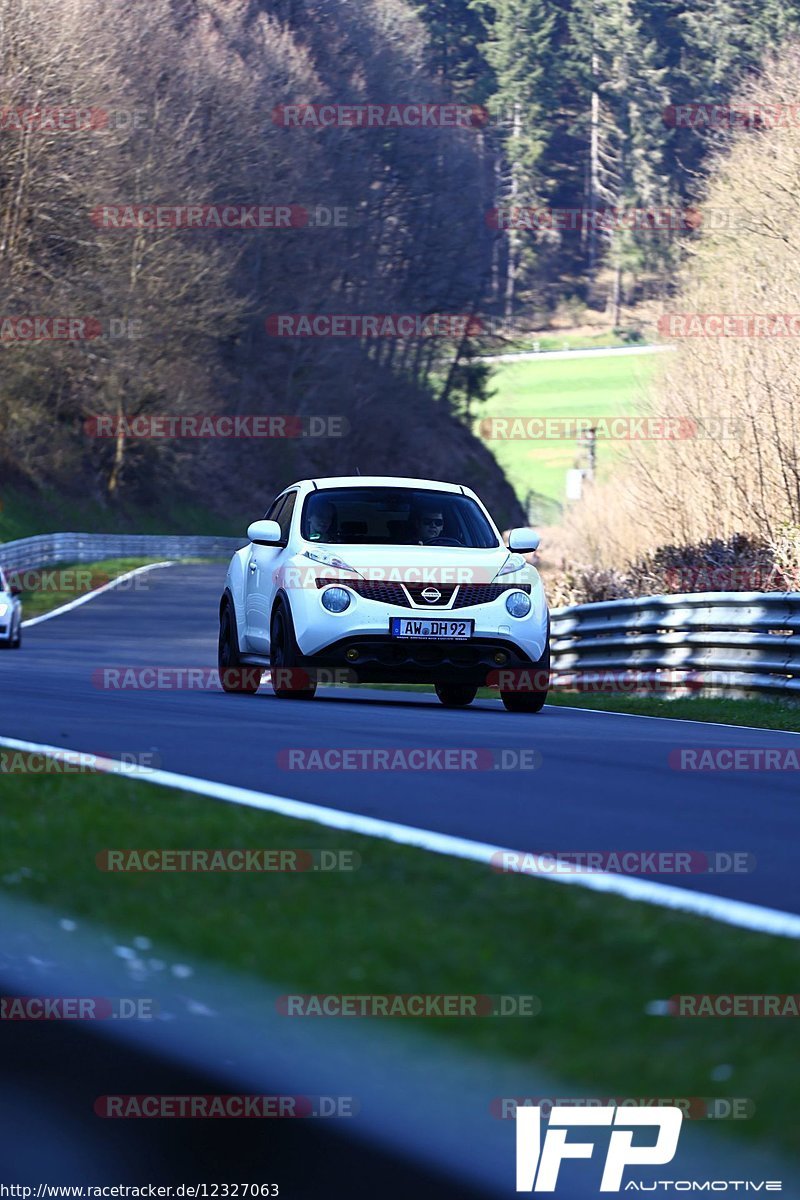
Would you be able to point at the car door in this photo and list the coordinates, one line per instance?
(262, 566)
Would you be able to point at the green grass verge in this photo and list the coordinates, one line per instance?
(585, 387)
(408, 921)
(759, 713)
(764, 714)
(64, 582)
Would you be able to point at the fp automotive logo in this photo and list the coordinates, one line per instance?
(538, 1166)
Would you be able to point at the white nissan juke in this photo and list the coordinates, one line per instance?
(384, 580)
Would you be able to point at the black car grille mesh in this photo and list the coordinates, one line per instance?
(372, 589)
(482, 593)
(386, 592)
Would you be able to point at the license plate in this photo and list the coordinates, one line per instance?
(431, 628)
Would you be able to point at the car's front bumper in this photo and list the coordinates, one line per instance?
(382, 659)
(324, 639)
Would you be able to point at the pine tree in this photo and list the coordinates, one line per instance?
(455, 57)
(623, 92)
(520, 49)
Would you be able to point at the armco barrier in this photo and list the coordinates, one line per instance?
(747, 641)
(50, 548)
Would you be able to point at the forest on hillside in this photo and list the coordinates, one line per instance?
(574, 100)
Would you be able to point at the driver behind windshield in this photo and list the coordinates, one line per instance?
(428, 525)
(322, 522)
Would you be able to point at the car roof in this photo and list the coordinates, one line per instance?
(398, 481)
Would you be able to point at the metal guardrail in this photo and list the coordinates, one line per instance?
(748, 641)
(50, 548)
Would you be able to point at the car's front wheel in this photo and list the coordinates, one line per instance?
(16, 642)
(533, 701)
(289, 682)
(235, 676)
(455, 695)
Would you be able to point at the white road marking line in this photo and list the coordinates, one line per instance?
(56, 612)
(678, 720)
(716, 908)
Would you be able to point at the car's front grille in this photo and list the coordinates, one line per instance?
(386, 592)
(372, 589)
(482, 593)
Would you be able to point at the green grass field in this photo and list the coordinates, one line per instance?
(585, 387)
(407, 921)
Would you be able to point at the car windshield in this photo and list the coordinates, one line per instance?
(384, 516)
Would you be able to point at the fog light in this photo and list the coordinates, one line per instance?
(335, 599)
(352, 654)
(518, 604)
(500, 657)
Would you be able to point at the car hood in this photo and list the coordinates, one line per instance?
(419, 564)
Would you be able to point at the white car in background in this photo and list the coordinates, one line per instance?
(10, 615)
(385, 580)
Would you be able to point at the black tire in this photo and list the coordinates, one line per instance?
(283, 660)
(17, 642)
(533, 701)
(455, 695)
(235, 676)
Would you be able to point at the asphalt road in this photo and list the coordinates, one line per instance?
(605, 781)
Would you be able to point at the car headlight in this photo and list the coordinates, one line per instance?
(514, 562)
(335, 599)
(331, 560)
(518, 604)
(4, 608)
